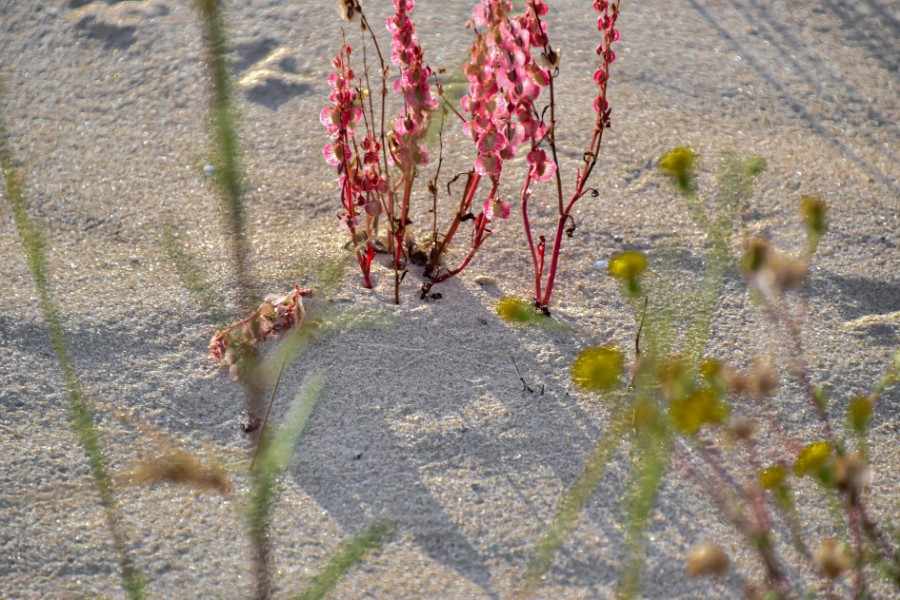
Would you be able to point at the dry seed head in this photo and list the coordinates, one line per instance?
(743, 427)
(851, 474)
(348, 9)
(737, 383)
(707, 559)
(763, 378)
(833, 558)
(786, 272)
(550, 58)
(772, 269)
(177, 466)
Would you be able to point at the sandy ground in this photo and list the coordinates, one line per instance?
(424, 419)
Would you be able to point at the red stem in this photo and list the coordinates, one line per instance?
(361, 257)
(538, 268)
(400, 232)
(593, 151)
(464, 205)
(481, 233)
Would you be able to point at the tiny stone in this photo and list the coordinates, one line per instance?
(209, 170)
(601, 264)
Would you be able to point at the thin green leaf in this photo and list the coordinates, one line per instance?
(371, 538)
(80, 411)
(275, 454)
(573, 503)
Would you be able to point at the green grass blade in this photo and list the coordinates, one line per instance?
(275, 454)
(735, 186)
(573, 503)
(226, 145)
(371, 538)
(192, 278)
(650, 463)
(79, 406)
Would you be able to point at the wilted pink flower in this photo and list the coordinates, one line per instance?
(279, 312)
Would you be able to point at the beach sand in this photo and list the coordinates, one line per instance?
(424, 417)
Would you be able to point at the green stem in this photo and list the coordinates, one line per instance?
(80, 410)
(574, 501)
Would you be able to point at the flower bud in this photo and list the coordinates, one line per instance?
(680, 164)
(815, 217)
(707, 559)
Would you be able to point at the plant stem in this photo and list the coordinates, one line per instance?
(536, 262)
(400, 231)
(573, 502)
(564, 216)
(474, 178)
(80, 410)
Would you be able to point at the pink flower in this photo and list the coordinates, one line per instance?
(541, 168)
(334, 154)
(488, 165)
(491, 142)
(496, 208)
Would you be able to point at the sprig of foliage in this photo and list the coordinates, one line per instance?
(676, 401)
(80, 411)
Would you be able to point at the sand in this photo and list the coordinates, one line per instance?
(423, 419)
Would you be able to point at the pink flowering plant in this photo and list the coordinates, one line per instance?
(409, 129)
(510, 63)
(540, 169)
(359, 180)
(504, 83)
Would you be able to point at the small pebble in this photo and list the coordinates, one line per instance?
(209, 170)
(601, 264)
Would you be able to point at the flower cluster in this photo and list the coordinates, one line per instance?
(510, 63)
(410, 128)
(360, 180)
(338, 119)
(606, 22)
(504, 84)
